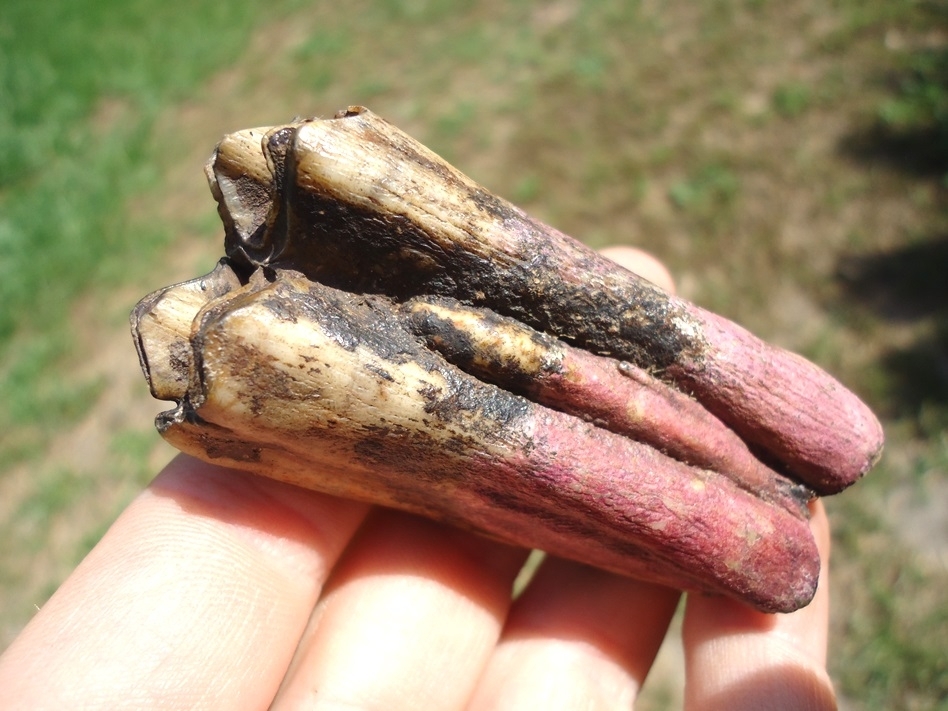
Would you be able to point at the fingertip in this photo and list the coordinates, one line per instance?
(820, 526)
(642, 263)
(736, 656)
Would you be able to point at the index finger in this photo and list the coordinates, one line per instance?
(196, 597)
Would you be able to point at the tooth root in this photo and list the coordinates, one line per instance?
(615, 395)
(416, 342)
(327, 390)
(370, 209)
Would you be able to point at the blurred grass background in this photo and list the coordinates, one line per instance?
(788, 161)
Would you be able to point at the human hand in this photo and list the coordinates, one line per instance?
(218, 589)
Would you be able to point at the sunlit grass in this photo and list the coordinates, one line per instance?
(734, 139)
(81, 83)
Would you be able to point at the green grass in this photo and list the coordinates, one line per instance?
(777, 156)
(791, 100)
(81, 84)
(891, 641)
(707, 193)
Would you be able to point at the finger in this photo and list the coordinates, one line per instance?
(643, 264)
(577, 638)
(737, 658)
(196, 597)
(580, 637)
(408, 620)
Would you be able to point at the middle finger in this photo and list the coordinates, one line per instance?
(407, 621)
(577, 638)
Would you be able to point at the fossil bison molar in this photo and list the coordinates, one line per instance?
(384, 329)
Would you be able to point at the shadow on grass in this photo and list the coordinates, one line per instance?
(904, 284)
(908, 284)
(911, 128)
(921, 152)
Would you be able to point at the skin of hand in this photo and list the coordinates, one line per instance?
(216, 589)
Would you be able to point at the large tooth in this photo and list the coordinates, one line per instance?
(367, 208)
(328, 390)
(387, 330)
